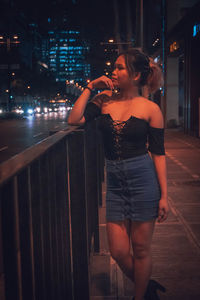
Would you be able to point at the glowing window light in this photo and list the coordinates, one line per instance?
(196, 29)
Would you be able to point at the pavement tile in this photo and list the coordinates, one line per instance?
(196, 229)
(191, 213)
(100, 274)
(184, 289)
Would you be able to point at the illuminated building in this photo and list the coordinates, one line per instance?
(66, 57)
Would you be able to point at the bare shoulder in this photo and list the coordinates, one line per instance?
(102, 97)
(156, 116)
(155, 108)
(149, 103)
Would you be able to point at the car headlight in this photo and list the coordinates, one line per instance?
(38, 109)
(30, 111)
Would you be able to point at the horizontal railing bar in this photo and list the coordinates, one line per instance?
(19, 161)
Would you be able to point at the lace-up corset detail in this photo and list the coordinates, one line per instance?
(117, 134)
(125, 139)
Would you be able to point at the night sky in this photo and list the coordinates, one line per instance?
(95, 19)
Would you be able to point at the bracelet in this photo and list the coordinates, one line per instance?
(87, 87)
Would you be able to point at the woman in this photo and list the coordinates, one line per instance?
(136, 182)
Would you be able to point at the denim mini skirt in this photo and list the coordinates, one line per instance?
(132, 189)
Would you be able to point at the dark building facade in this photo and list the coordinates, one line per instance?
(183, 72)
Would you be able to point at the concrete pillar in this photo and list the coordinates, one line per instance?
(172, 95)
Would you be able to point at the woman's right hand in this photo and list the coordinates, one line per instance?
(102, 82)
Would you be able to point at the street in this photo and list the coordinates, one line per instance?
(19, 134)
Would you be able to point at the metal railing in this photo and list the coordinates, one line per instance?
(49, 197)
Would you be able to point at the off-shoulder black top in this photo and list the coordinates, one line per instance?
(126, 139)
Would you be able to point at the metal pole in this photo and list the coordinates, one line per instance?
(117, 30)
(141, 25)
(163, 12)
(9, 76)
(129, 24)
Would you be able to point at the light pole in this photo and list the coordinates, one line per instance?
(141, 25)
(163, 28)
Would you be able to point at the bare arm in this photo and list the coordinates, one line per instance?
(161, 169)
(156, 120)
(76, 115)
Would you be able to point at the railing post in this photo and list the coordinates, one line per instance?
(26, 242)
(49, 197)
(11, 243)
(92, 186)
(78, 204)
(2, 274)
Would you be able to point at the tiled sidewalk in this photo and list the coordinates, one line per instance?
(176, 242)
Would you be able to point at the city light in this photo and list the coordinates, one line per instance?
(19, 111)
(155, 42)
(38, 109)
(108, 63)
(196, 29)
(174, 46)
(30, 111)
(111, 41)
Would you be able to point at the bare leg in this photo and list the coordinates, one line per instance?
(141, 237)
(119, 244)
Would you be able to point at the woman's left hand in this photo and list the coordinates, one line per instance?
(163, 210)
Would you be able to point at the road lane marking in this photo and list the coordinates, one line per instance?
(4, 148)
(40, 133)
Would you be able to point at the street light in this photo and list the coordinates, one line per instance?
(9, 40)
